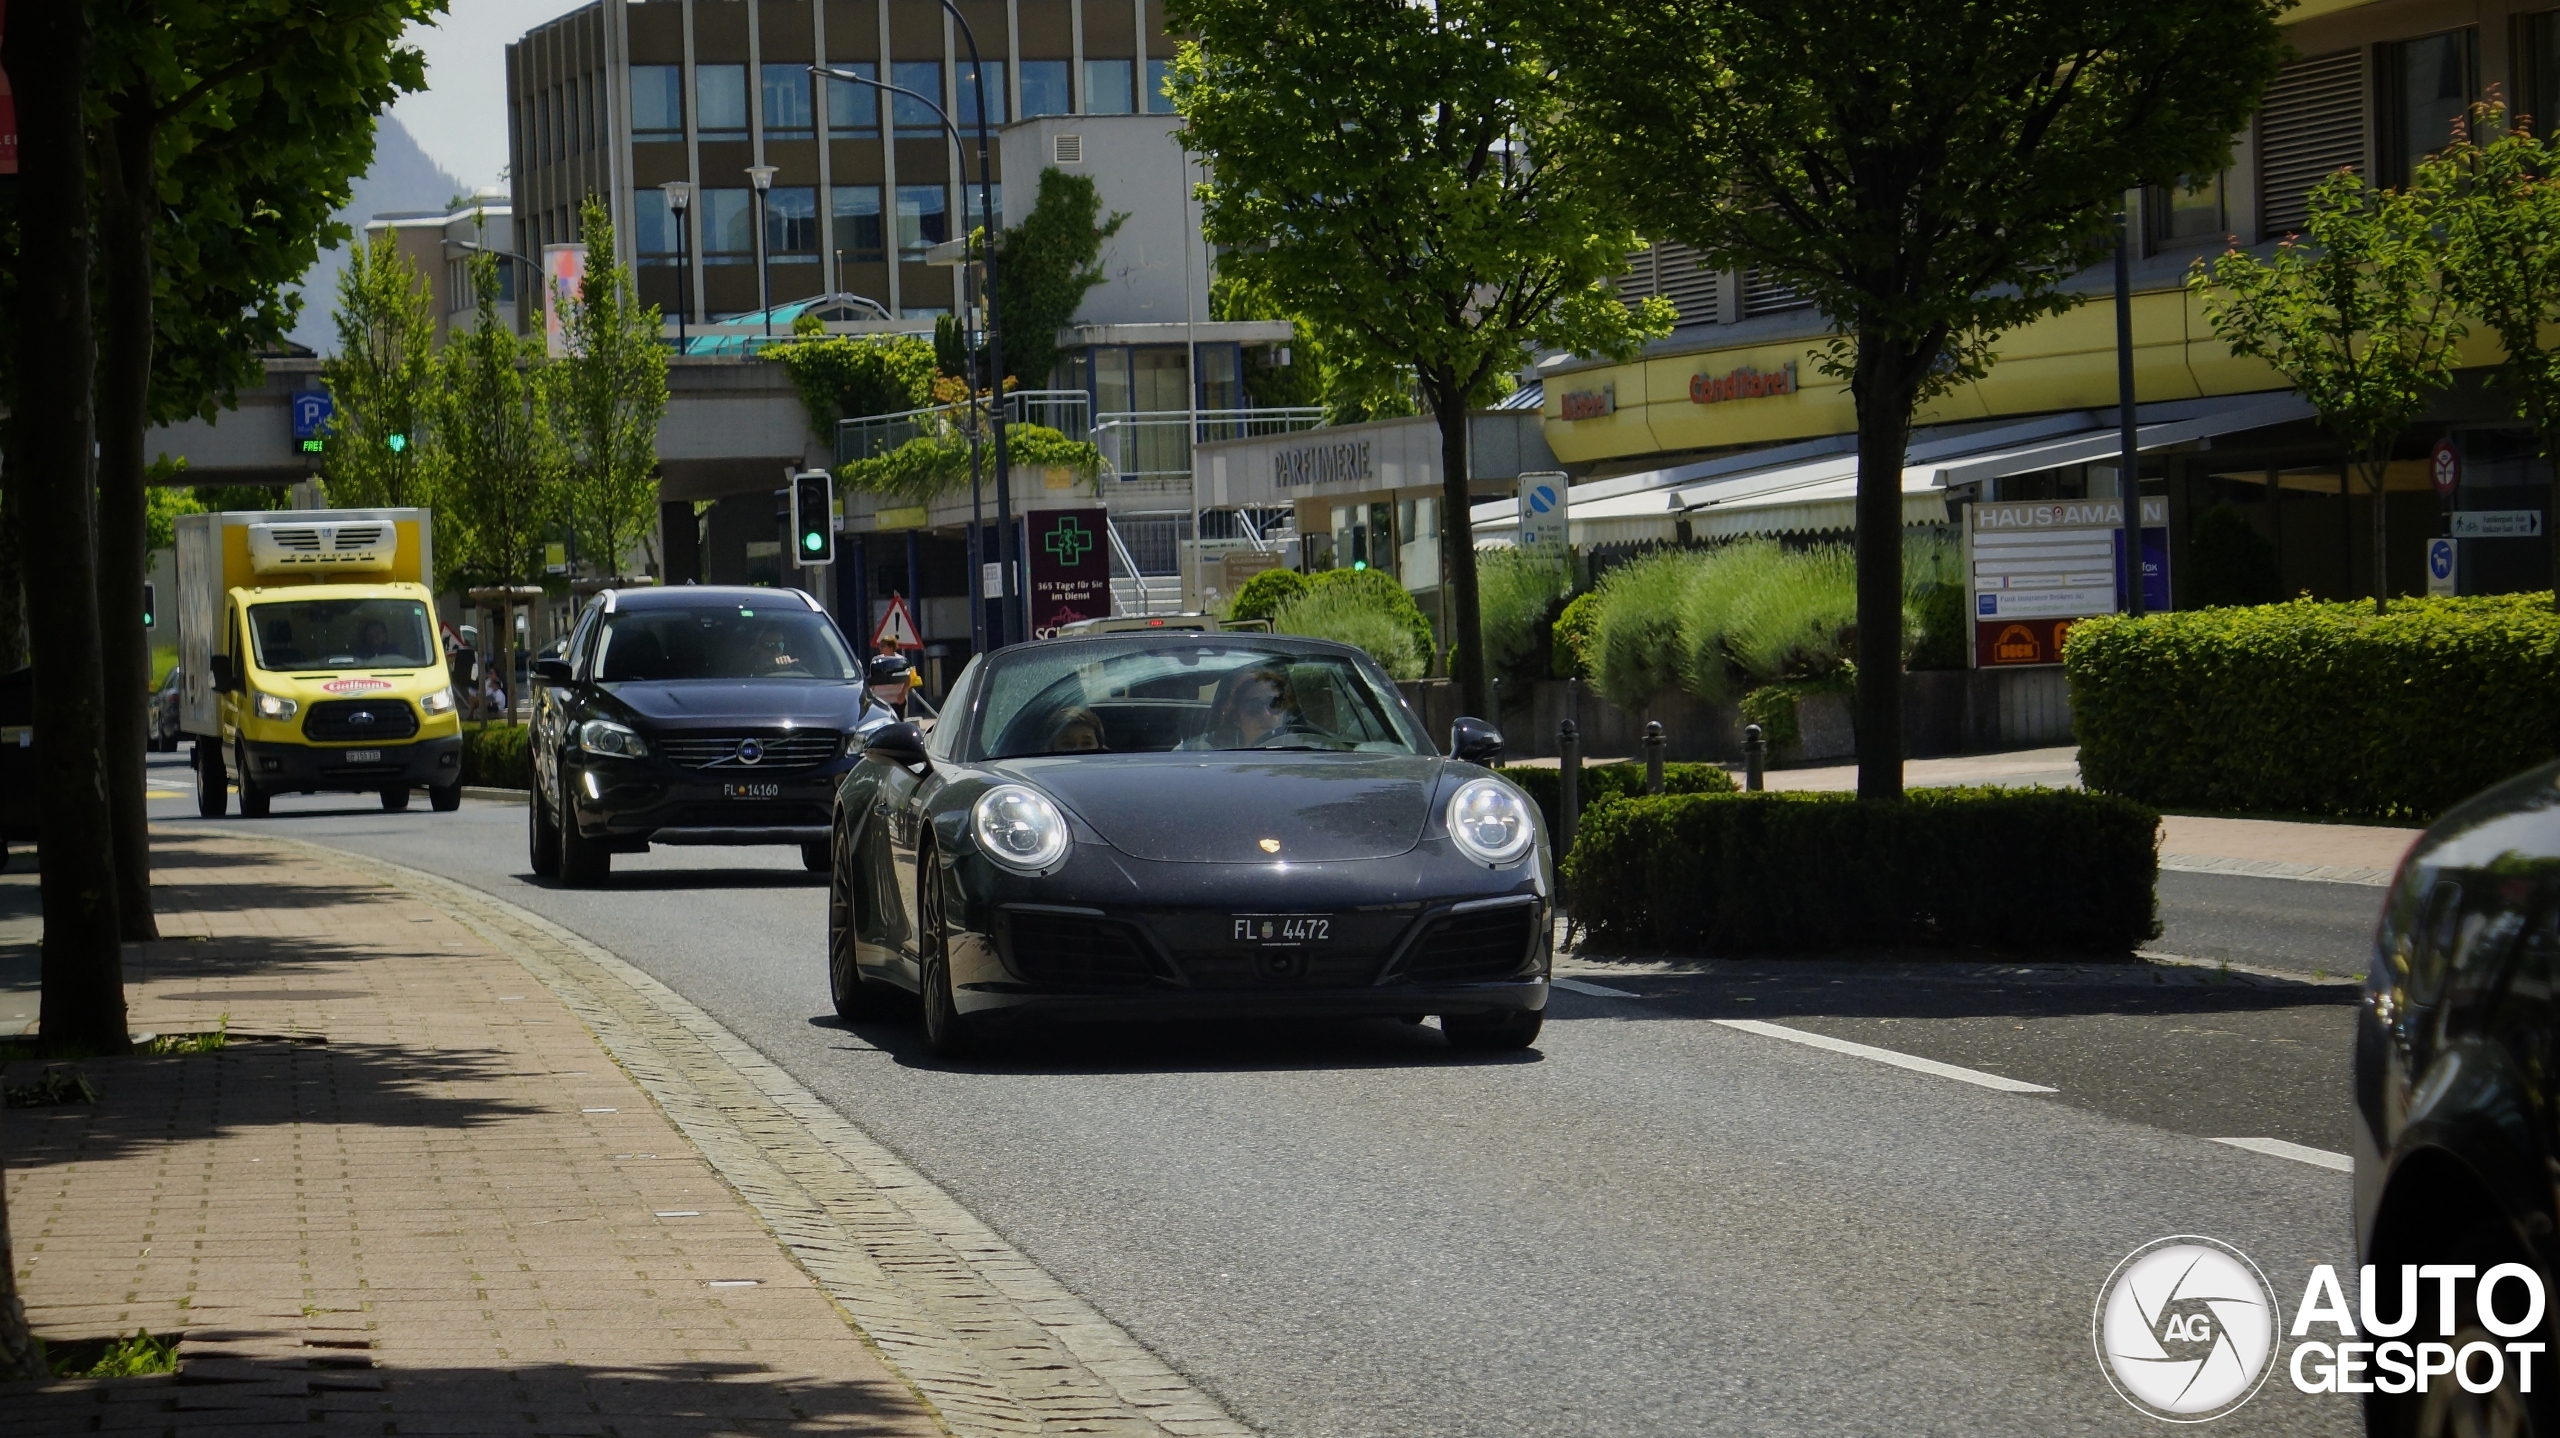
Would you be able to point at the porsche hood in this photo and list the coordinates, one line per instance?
(1246, 807)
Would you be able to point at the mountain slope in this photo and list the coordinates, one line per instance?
(402, 178)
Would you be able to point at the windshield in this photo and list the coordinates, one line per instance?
(724, 641)
(1087, 699)
(341, 634)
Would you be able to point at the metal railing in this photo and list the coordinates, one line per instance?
(1157, 444)
(1068, 411)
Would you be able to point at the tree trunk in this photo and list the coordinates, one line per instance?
(47, 54)
(1883, 389)
(128, 171)
(1458, 557)
(2376, 467)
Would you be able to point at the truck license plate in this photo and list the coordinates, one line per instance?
(364, 756)
(1273, 931)
(751, 791)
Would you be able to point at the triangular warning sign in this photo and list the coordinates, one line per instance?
(897, 627)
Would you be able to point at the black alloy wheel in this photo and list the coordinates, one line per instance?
(445, 798)
(213, 787)
(946, 1032)
(583, 861)
(2448, 1409)
(1508, 1029)
(542, 839)
(253, 800)
(395, 800)
(857, 999)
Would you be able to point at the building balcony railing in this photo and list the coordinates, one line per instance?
(1157, 445)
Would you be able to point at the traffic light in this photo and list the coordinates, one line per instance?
(150, 606)
(398, 442)
(813, 528)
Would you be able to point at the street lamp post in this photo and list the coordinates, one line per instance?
(2128, 445)
(761, 176)
(680, 200)
(1009, 621)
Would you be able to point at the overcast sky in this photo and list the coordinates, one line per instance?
(461, 117)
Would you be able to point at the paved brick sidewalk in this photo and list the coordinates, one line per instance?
(434, 1204)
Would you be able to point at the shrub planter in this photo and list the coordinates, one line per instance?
(2011, 869)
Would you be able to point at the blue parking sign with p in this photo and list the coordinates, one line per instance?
(311, 412)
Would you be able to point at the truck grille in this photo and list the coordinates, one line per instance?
(784, 749)
(1491, 944)
(346, 721)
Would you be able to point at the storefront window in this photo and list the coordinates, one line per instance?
(1418, 557)
(2427, 90)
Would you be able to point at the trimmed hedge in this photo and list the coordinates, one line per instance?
(2317, 708)
(2019, 869)
(1612, 781)
(496, 755)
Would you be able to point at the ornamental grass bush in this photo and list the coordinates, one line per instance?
(1354, 616)
(2312, 707)
(495, 755)
(2010, 869)
(1517, 591)
(1608, 782)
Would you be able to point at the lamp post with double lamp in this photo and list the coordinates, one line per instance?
(1009, 622)
(679, 195)
(761, 176)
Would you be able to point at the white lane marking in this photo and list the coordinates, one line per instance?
(1603, 991)
(2299, 1153)
(1885, 1056)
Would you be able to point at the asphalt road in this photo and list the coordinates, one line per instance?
(1653, 1224)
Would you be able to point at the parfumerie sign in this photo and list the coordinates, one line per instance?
(1321, 464)
(1743, 383)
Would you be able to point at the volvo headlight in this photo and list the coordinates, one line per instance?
(1492, 824)
(276, 706)
(440, 702)
(603, 736)
(1019, 828)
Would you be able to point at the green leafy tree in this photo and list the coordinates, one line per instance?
(608, 392)
(2355, 317)
(1927, 176)
(1349, 382)
(501, 466)
(843, 377)
(1385, 172)
(381, 380)
(1045, 265)
(2497, 209)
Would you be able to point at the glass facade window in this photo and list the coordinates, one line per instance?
(728, 226)
(977, 212)
(720, 101)
(791, 220)
(787, 114)
(924, 219)
(2427, 89)
(2542, 72)
(916, 120)
(1044, 88)
(658, 240)
(2187, 213)
(859, 235)
(853, 111)
(965, 117)
(1106, 88)
(1158, 102)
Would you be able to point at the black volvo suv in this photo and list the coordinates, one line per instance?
(693, 715)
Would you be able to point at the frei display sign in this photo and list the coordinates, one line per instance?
(312, 410)
(1546, 512)
(1070, 568)
(564, 269)
(2036, 568)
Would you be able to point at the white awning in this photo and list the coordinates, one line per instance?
(1812, 508)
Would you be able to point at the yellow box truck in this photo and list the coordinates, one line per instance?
(311, 658)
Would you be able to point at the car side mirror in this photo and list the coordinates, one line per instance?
(222, 674)
(901, 744)
(1474, 741)
(551, 670)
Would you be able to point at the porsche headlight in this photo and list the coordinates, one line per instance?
(440, 702)
(1492, 824)
(276, 706)
(1019, 828)
(603, 736)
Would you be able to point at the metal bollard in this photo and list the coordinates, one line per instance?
(1568, 783)
(1654, 743)
(1755, 757)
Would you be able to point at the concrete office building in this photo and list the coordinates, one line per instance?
(439, 243)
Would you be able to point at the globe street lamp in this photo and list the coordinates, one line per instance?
(680, 199)
(1008, 622)
(761, 176)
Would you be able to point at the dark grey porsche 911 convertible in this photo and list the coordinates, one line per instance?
(1146, 826)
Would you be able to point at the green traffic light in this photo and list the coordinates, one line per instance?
(813, 542)
(1359, 564)
(398, 442)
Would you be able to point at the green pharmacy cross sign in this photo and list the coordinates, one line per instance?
(1069, 541)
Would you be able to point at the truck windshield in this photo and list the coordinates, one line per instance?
(727, 641)
(341, 634)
